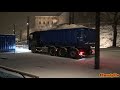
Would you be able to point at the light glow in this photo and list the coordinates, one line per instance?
(21, 50)
(81, 53)
(93, 51)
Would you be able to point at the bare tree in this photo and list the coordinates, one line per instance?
(71, 17)
(112, 18)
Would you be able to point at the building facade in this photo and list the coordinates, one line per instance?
(48, 22)
(45, 22)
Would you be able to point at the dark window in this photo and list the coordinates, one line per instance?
(44, 22)
(48, 22)
(39, 22)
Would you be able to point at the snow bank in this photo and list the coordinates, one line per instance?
(22, 49)
(106, 36)
(66, 26)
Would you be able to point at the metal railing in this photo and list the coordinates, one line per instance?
(19, 72)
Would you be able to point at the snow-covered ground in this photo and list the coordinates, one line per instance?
(22, 49)
(46, 66)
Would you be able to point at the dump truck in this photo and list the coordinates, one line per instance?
(72, 42)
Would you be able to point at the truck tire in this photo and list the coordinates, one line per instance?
(62, 52)
(74, 53)
(52, 51)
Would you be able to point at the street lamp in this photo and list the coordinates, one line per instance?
(14, 29)
(27, 30)
(27, 23)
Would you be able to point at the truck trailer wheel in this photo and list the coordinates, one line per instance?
(52, 51)
(62, 52)
(74, 53)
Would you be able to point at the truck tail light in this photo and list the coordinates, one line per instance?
(93, 51)
(81, 52)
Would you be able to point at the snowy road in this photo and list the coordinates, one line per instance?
(46, 66)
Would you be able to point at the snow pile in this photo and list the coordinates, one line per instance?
(118, 37)
(106, 36)
(63, 26)
(66, 26)
(22, 49)
(47, 28)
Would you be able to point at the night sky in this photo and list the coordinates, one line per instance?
(7, 19)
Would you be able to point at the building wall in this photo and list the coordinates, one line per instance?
(64, 18)
(49, 22)
(45, 22)
(84, 18)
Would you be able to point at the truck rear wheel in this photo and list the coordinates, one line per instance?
(74, 53)
(52, 51)
(62, 52)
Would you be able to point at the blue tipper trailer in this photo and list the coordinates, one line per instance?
(7, 43)
(72, 42)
